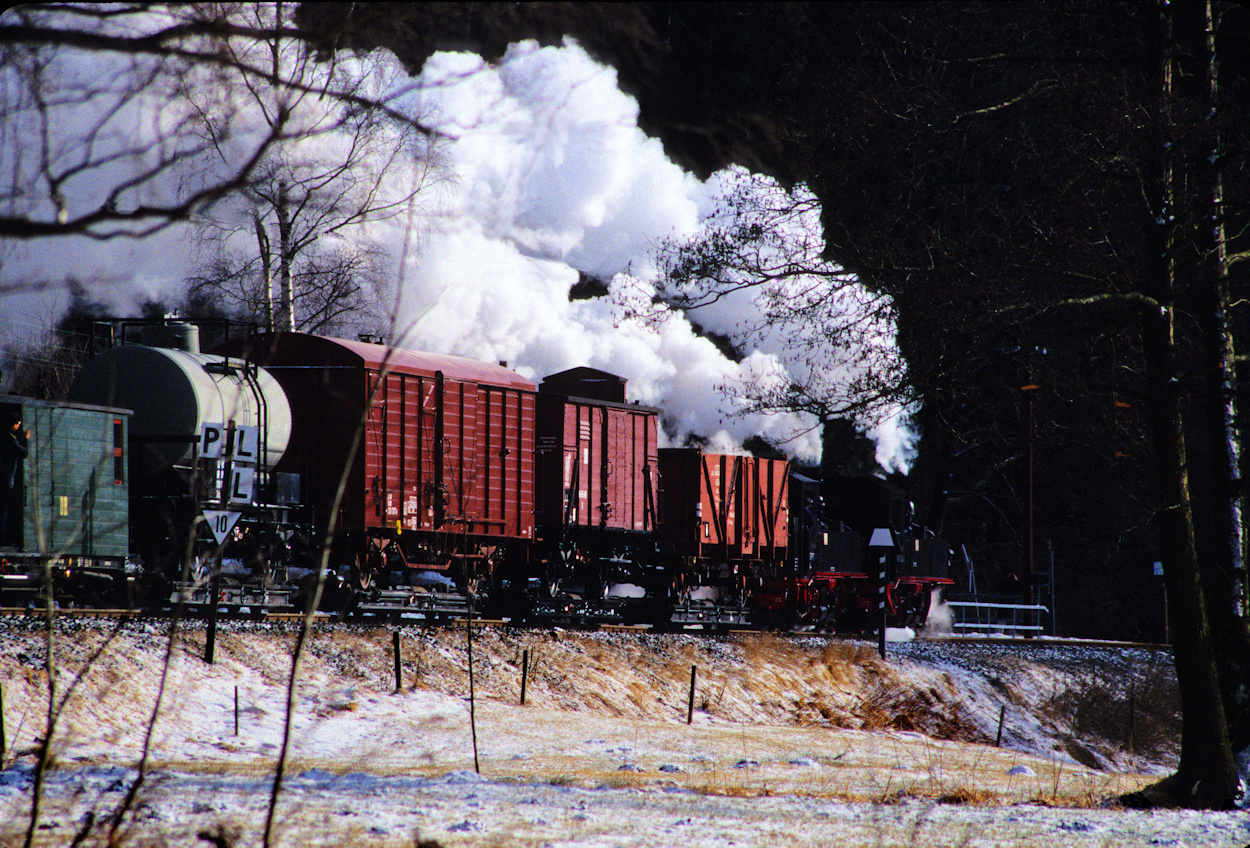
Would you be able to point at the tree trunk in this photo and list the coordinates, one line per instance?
(266, 269)
(286, 307)
(1226, 586)
(1206, 776)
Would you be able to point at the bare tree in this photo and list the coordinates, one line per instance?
(96, 102)
(756, 278)
(121, 121)
(297, 222)
(331, 291)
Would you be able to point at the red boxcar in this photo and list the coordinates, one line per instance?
(596, 454)
(447, 445)
(725, 509)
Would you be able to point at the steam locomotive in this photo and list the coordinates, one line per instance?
(421, 483)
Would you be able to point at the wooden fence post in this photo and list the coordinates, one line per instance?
(399, 680)
(690, 702)
(214, 595)
(525, 672)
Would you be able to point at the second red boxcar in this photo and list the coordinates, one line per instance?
(597, 454)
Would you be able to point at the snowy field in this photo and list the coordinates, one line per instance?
(808, 742)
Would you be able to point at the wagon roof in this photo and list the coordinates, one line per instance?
(19, 400)
(331, 351)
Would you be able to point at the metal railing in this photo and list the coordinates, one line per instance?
(997, 618)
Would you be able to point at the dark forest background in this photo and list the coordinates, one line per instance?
(993, 168)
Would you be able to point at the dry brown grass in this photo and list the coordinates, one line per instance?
(765, 703)
(1139, 715)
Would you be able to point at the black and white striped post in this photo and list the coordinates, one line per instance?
(881, 545)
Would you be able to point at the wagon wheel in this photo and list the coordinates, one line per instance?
(557, 570)
(595, 587)
(827, 611)
(361, 577)
(552, 581)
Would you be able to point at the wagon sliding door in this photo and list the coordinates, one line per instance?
(415, 457)
(506, 461)
(457, 448)
(399, 439)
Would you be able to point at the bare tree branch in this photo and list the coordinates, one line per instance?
(110, 140)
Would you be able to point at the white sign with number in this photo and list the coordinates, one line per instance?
(221, 522)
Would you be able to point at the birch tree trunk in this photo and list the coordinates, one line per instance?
(286, 306)
(266, 269)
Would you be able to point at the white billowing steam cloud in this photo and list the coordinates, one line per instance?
(549, 176)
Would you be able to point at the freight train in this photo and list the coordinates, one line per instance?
(425, 485)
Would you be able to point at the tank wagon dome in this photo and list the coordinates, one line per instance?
(175, 392)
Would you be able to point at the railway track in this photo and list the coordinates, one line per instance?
(393, 620)
(1046, 642)
(112, 614)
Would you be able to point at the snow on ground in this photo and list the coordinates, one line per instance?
(799, 742)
